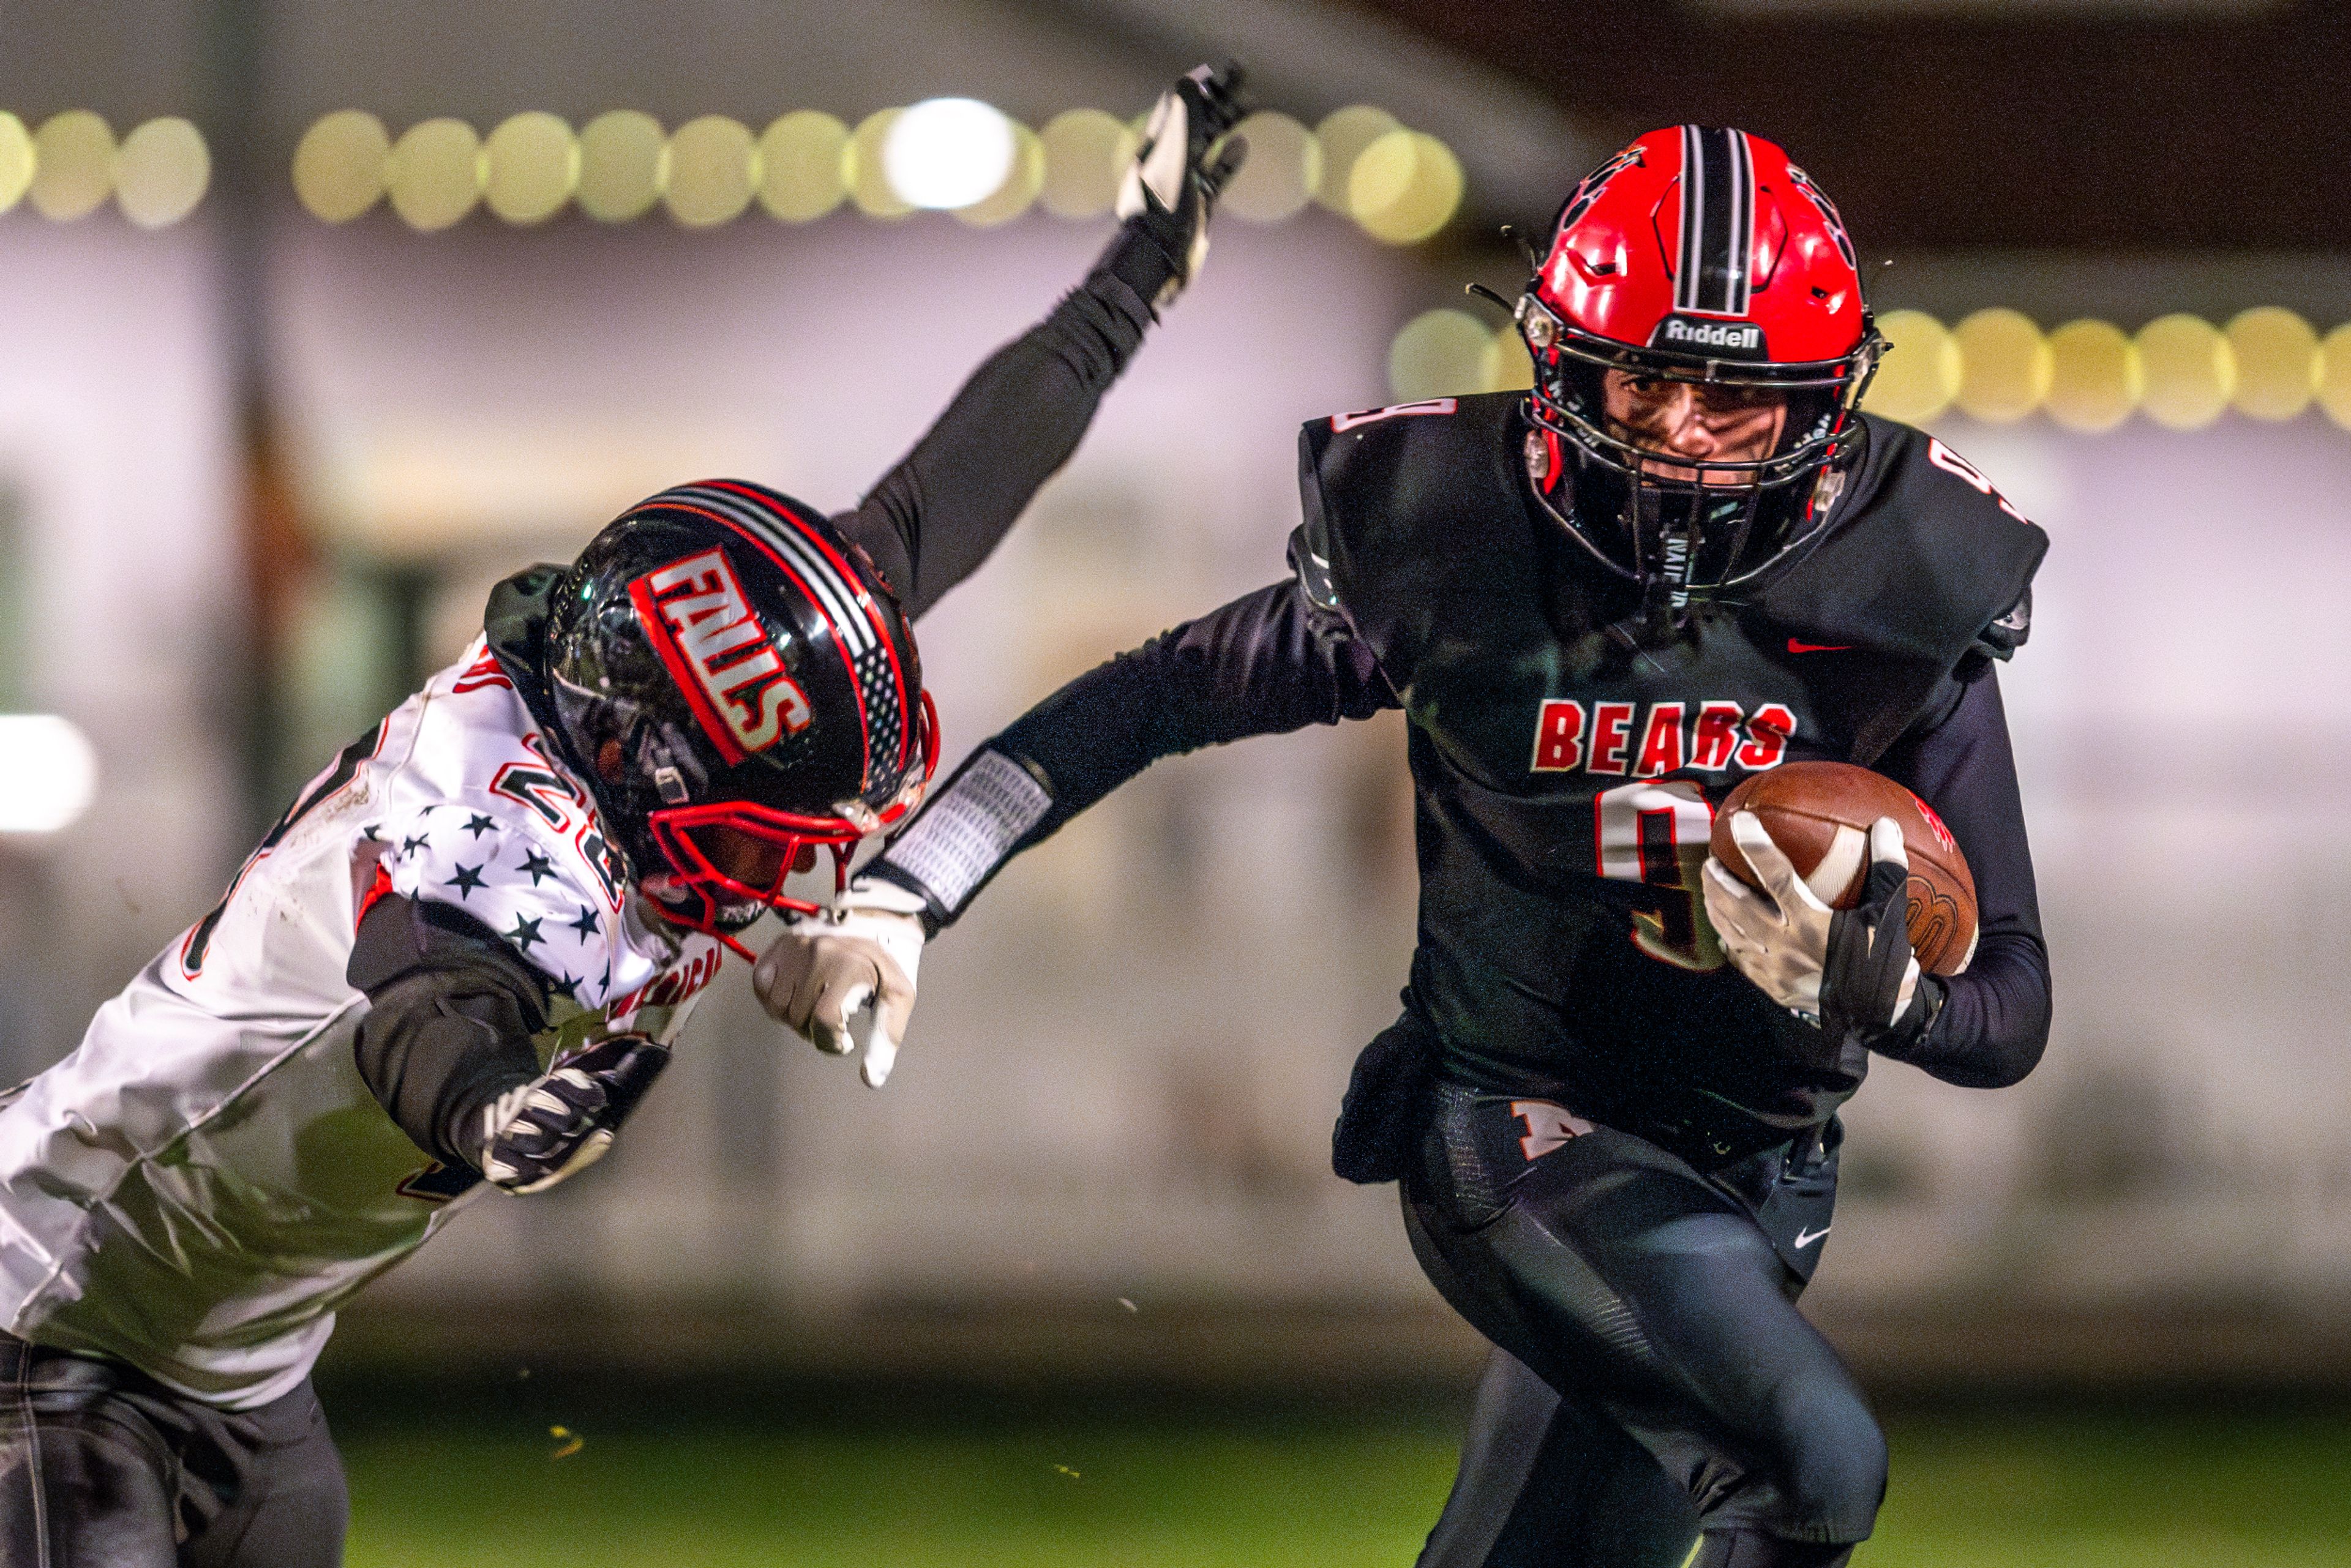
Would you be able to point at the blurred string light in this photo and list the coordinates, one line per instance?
(2178, 371)
(713, 172)
(1086, 151)
(15, 160)
(948, 155)
(623, 163)
(799, 166)
(947, 152)
(73, 165)
(531, 167)
(48, 773)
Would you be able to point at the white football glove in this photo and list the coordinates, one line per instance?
(1173, 181)
(860, 957)
(1781, 942)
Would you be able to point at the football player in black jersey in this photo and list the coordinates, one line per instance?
(1610, 1101)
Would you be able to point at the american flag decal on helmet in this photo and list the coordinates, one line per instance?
(1714, 274)
(859, 630)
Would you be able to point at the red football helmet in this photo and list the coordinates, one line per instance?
(1695, 255)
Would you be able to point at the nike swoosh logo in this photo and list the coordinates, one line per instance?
(1796, 647)
(1806, 1237)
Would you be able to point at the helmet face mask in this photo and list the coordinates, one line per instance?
(739, 690)
(1702, 256)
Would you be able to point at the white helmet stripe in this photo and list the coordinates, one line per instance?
(837, 597)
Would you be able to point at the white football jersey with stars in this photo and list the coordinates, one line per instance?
(208, 1176)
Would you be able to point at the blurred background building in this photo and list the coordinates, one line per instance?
(317, 319)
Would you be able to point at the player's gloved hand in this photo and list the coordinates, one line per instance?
(1785, 942)
(1184, 161)
(860, 956)
(537, 1133)
(1869, 976)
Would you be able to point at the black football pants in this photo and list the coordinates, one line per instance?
(1659, 1381)
(102, 1467)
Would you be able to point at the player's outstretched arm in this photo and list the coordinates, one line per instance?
(445, 1047)
(939, 513)
(1265, 664)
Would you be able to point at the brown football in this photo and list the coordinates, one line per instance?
(1802, 805)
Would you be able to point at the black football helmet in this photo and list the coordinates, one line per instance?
(756, 675)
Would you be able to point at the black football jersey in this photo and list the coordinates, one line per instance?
(1567, 767)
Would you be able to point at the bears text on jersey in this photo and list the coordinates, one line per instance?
(1602, 738)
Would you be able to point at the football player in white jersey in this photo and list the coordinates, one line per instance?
(457, 960)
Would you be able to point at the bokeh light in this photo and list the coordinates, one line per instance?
(534, 167)
(161, 171)
(799, 166)
(1438, 353)
(2095, 378)
(2335, 375)
(862, 167)
(2004, 365)
(711, 176)
(48, 773)
(1342, 135)
(1505, 366)
(2276, 353)
(1405, 187)
(1920, 374)
(434, 174)
(338, 166)
(947, 152)
(623, 161)
(1281, 173)
(1018, 192)
(15, 160)
(1086, 155)
(73, 165)
(2190, 371)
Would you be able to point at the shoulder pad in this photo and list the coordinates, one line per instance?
(1394, 501)
(1923, 556)
(529, 889)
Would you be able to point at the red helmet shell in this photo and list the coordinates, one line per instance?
(1706, 244)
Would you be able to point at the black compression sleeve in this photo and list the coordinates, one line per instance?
(449, 1019)
(938, 514)
(1995, 1021)
(1264, 664)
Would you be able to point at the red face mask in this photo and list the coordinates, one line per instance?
(729, 860)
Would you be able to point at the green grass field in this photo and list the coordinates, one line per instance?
(1203, 1489)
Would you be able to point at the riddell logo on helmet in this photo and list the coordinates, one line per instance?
(721, 657)
(1732, 337)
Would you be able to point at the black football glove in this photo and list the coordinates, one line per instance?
(1184, 161)
(537, 1133)
(1872, 992)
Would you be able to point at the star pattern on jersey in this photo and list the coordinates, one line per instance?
(542, 895)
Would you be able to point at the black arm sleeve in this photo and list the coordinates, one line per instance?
(1267, 663)
(939, 513)
(1994, 1021)
(449, 1019)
